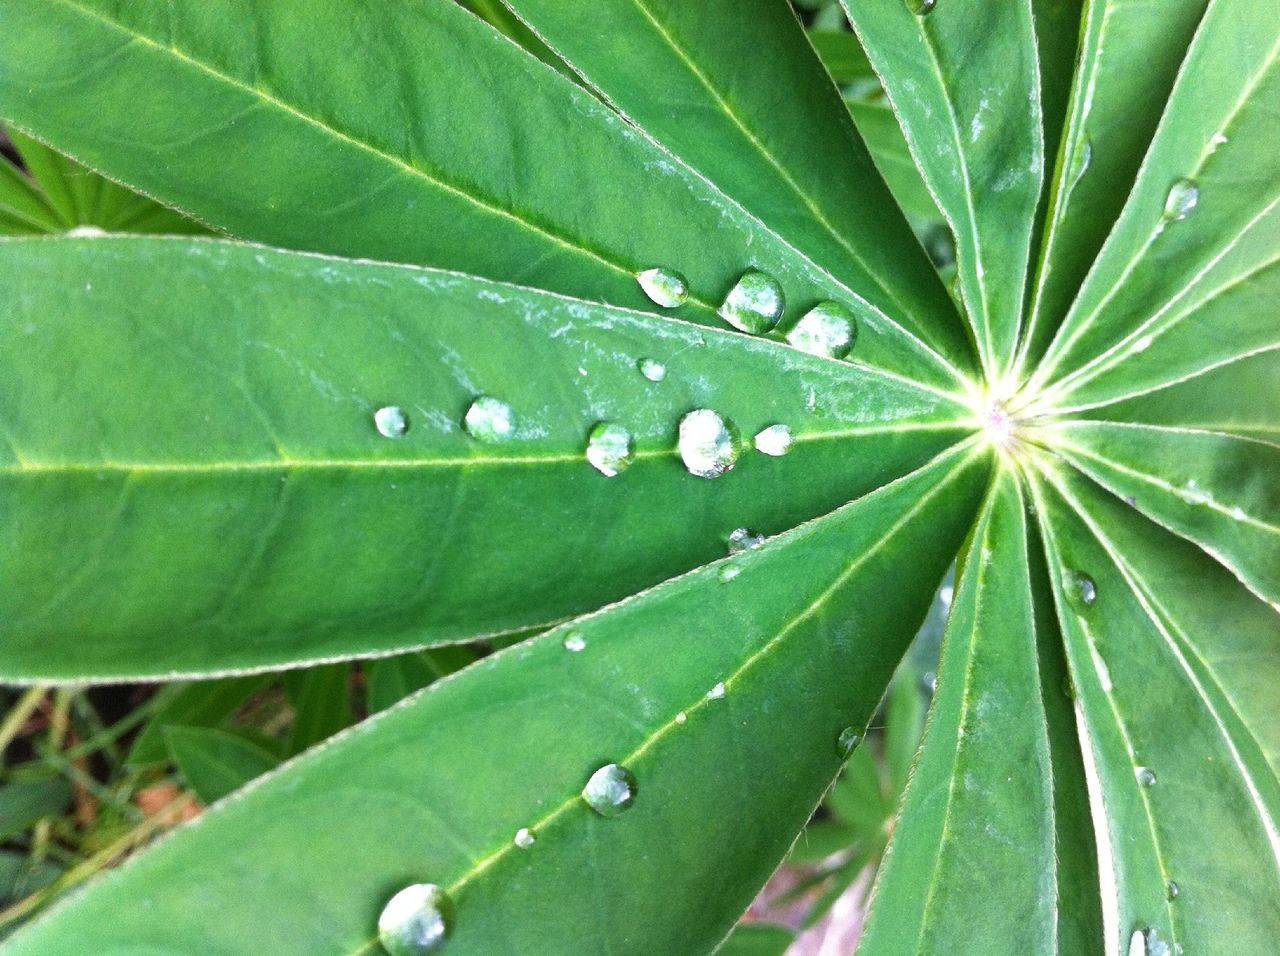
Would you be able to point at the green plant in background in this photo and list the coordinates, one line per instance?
(704, 509)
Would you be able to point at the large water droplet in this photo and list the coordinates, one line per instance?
(1183, 197)
(774, 440)
(1146, 776)
(489, 420)
(1147, 942)
(1081, 589)
(391, 421)
(847, 741)
(524, 838)
(609, 448)
(755, 304)
(610, 790)
(706, 444)
(666, 287)
(744, 539)
(921, 7)
(573, 641)
(651, 369)
(717, 692)
(827, 329)
(416, 921)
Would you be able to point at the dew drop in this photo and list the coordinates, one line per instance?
(609, 448)
(573, 641)
(1183, 197)
(610, 790)
(681, 717)
(1081, 589)
(489, 420)
(921, 7)
(1146, 776)
(391, 421)
(717, 692)
(827, 329)
(524, 838)
(416, 921)
(929, 681)
(744, 539)
(666, 287)
(755, 304)
(728, 572)
(651, 369)
(847, 741)
(1173, 890)
(706, 444)
(774, 441)
(1148, 943)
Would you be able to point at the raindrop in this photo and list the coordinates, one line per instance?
(755, 304)
(666, 287)
(609, 448)
(651, 369)
(846, 742)
(573, 641)
(827, 329)
(416, 921)
(744, 539)
(717, 692)
(707, 444)
(610, 790)
(774, 440)
(391, 421)
(1081, 589)
(1146, 776)
(1173, 890)
(921, 7)
(1183, 197)
(489, 420)
(524, 838)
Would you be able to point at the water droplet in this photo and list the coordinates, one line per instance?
(666, 287)
(391, 421)
(744, 539)
(847, 741)
(416, 921)
(774, 440)
(707, 444)
(1173, 890)
(717, 692)
(609, 448)
(524, 838)
(651, 369)
(1081, 589)
(728, 572)
(489, 420)
(1146, 776)
(681, 717)
(610, 790)
(929, 681)
(921, 7)
(827, 329)
(1084, 156)
(1148, 943)
(755, 304)
(1183, 197)
(573, 641)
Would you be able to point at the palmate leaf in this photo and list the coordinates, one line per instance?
(1099, 771)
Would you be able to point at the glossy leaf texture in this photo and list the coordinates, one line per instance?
(193, 479)
(767, 656)
(409, 153)
(998, 787)
(1174, 666)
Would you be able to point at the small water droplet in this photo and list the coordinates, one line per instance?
(524, 838)
(681, 717)
(1083, 158)
(1081, 589)
(717, 692)
(666, 287)
(728, 572)
(929, 681)
(609, 448)
(1146, 776)
(1183, 197)
(416, 921)
(774, 440)
(610, 790)
(391, 421)
(651, 369)
(489, 420)
(707, 444)
(755, 304)
(921, 7)
(573, 641)
(847, 741)
(1148, 943)
(827, 329)
(744, 539)
(1173, 890)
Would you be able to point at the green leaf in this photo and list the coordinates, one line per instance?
(203, 704)
(23, 802)
(393, 678)
(879, 128)
(904, 720)
(214, 762)
(964, 80)
(982, 796)
(810, 627)
(1176, 672)
(253, 377)
(321, 704)
(757, 939)
(841, 53)
(415, 151)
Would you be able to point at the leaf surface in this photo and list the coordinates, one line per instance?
(214, 762)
